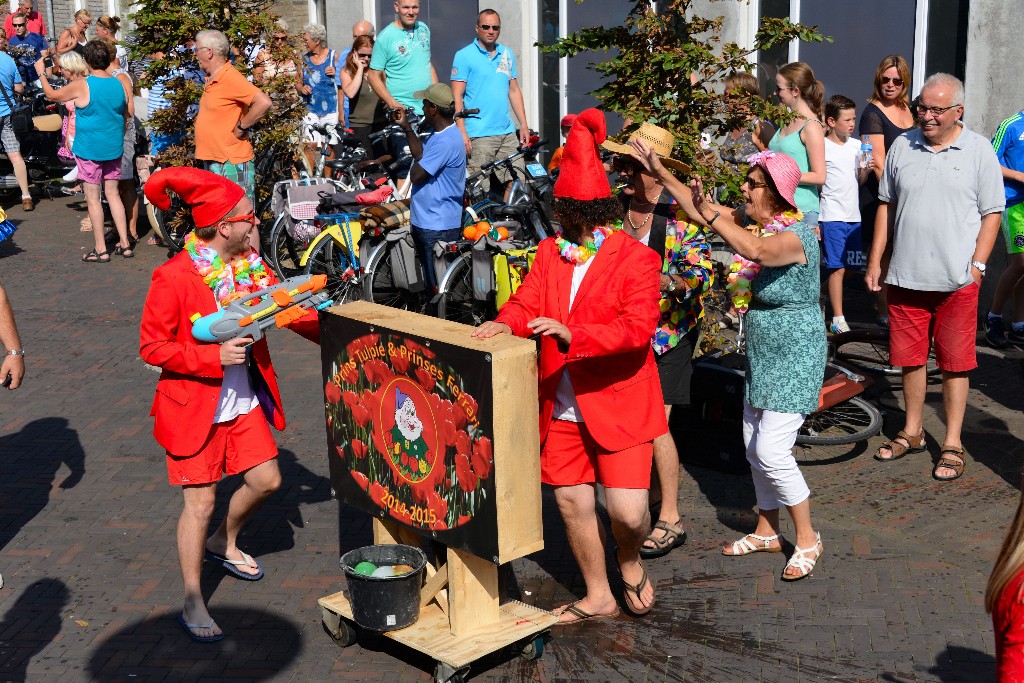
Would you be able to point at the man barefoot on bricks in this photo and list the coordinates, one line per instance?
(213, 401)
(592, 295)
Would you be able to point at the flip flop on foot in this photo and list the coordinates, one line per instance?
(579, 616)
(672, 536)
(190, 630)
(635, 603)
(232, 566)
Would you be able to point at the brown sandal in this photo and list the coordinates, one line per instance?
(915, 444)
(957, 467)
(636, 590)
(673, 537)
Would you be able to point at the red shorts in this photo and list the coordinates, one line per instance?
(571, 456)
(231, 447)
(950, 318)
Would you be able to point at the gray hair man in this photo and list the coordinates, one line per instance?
(941, 200)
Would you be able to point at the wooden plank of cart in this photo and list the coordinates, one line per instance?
(380, 365)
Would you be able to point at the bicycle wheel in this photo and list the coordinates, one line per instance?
(868, 350)
(282, 251)
(174, 225)
(344, 283)
(847, 422)
(380, 287)
(456, 302)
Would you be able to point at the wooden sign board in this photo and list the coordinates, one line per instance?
(433, 429)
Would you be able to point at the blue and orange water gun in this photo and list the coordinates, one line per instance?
(277, 306)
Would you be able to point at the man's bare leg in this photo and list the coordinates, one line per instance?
(192, 527)
(630, 518)
(955, 386)
(666, 468)
(257, 484)
(578, 507)
(915, 386)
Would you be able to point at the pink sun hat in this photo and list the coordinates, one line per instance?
(783, 171)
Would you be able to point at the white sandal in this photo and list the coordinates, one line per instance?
(745, 547)
(801, 561)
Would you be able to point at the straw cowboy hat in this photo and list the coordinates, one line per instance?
(655, 137)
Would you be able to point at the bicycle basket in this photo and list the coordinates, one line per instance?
(297, 200)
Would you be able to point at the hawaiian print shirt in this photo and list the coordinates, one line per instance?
(688, 256)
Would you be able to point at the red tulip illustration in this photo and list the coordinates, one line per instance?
(426, 380)
(360, 479)
(483, 457)
(361, 415)
(464, 473)
(349, 373)
(377, 493)
(463, 444)
(332, 392)
(359, 449)
(399, 361)
(350, 398)
(421, 350)
(377, 371)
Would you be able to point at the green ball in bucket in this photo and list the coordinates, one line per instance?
(365, 568)
(384, 603)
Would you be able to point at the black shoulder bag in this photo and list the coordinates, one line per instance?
(21, 118)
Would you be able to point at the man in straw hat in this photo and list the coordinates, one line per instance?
(213, 401)
(686, 273)
(592, 296)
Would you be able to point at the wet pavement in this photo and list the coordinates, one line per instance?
(92, 588)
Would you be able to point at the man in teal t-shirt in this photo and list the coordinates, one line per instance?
(400, 64)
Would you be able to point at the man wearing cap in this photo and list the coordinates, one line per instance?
(484, 77)
(214, 402)
(686, 274)
(592, 297)
(438, 176)
(564, 127)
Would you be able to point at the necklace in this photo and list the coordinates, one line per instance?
(742, 272)
(629, 218)
(577, 254)
(243, 275)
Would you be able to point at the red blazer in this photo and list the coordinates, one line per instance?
(189, 386)
(610, 360)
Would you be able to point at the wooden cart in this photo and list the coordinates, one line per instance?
(461, 619)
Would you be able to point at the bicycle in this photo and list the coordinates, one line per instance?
(335, 252)
(868, 350)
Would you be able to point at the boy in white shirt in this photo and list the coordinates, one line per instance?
(840, 205)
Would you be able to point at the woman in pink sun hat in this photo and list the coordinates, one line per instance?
(785, 334)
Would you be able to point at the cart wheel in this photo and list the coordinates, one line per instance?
(344, 634)
(533, 649)
(446, 674)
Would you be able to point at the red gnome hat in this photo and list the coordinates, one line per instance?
(209, 195)
(582, 175)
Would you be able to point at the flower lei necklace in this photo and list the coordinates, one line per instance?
(246, 274)
(577, 254)
(742, 272)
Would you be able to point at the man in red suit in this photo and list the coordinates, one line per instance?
(214, 402)
(592, 295)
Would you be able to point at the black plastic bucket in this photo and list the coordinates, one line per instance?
(385, 603)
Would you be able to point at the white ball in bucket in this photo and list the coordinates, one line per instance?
(383, 572)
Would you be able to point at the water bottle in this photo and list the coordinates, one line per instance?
(864, 159)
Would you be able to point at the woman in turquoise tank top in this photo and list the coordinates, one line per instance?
(101, 114)
(803, 138)
(786, 346)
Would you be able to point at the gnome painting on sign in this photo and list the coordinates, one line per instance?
(408, 449)
(408, 436)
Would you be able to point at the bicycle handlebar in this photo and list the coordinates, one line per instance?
(487, 168)
(466, 112)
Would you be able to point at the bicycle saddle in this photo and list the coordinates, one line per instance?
(379, 161)
(510, 209)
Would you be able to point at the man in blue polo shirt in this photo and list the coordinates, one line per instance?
(438, 176)
(484, 78)
(31, 47)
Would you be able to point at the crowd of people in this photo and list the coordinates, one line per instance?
(616, 297)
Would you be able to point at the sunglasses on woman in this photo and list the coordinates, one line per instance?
(895, 81)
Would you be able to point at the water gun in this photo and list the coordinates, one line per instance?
(277, 305)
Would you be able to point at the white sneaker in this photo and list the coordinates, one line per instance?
(837, 328)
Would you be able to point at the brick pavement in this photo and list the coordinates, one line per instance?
(92, 586)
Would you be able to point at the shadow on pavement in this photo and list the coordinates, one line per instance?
(31, 459)
(258, 645)
(732, 495)
(30, 625)
(955, 664)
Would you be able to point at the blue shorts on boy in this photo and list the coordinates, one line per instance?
(841, 244)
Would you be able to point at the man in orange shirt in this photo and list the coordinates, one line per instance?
(229, 108)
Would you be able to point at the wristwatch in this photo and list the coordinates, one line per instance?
(16, 352)
(980, 266)
(241, 127)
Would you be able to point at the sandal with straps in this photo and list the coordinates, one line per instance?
(673, 537)
(802, 562)
(636, 590)
(915, 444)
(957, 467)
(745, 547)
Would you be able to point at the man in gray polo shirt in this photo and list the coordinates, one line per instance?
(941, 198)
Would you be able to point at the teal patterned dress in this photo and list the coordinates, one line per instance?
(786, 345)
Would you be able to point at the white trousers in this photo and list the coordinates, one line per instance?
(769, 437)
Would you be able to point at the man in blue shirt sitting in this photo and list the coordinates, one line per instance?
(484, 77)
(438, 175)
(26, 41)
